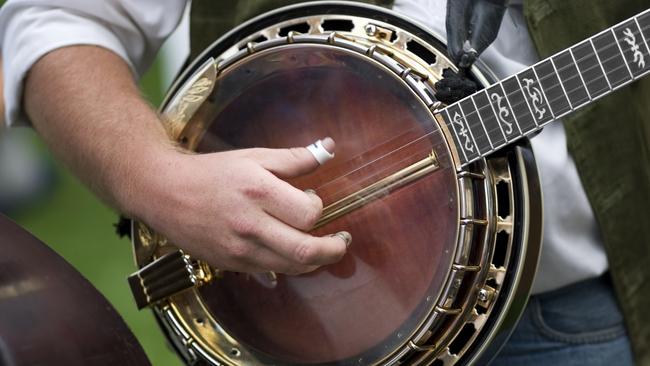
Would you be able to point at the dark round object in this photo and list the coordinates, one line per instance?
(367, 305)
(51, 315)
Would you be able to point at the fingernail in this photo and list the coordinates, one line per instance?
(319, 151)
(345, 236)
(310, 191)
(329, 144)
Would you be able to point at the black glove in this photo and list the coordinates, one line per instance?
(475, 22)
(472, 25)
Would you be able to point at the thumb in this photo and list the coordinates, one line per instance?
(292, 162)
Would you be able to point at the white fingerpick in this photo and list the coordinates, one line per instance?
(320, 152)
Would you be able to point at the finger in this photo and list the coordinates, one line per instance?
(315, 199)
(302, 248)
(321, 150)
(260, 259)
(269, 261)
(288, 204)
(486, 21)
(288, 163)
(457, 26)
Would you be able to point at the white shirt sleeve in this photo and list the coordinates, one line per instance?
(29, 29)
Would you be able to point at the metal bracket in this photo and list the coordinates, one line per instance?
(166, 276)
(376, 31)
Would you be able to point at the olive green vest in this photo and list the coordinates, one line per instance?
(609, 140)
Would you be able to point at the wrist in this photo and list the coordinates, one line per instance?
(144, 178)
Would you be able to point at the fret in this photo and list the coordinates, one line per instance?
(526, 100)
(574, 85)
(534, 95)
(499, 104)
(633, 48)
(482, 123)
(611, 59)
(590, 69)
(600, 63)
(469, 128)
(556, 97)
(519, 105)
(452, 128)
(618, 44)
(492, 126)
(464, 139)
(643, 22)
(557, 75)
(473, 120)
(543, 92)
(573, 58)
(514, 116)
(570, 79)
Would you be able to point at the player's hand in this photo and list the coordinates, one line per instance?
(233, 210)
(472, 25)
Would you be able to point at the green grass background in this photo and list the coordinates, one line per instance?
(80, 228)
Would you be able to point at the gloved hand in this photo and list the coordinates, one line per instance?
(472, 25)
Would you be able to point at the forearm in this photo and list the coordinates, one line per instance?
(84, 102)
(231, 209)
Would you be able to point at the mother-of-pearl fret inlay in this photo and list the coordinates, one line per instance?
(634, 47)
(503, 113)
(523, 103)
(462, 131)
(536, 96)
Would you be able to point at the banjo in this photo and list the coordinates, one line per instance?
(443, 201)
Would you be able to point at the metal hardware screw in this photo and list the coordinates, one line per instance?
(483, 295)
(370, 29)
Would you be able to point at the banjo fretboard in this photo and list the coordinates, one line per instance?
(554, 87)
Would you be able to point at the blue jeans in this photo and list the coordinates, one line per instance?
(579, 324)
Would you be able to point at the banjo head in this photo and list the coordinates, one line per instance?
(380, 292)
(436, 247)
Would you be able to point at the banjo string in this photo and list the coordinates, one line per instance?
(482, 108)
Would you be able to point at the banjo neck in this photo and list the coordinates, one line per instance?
(522, 104)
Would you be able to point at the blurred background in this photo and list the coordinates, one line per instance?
(41, 195)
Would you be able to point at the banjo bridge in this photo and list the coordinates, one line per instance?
(378, 189)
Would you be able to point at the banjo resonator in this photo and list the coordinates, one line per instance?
(444, 252)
